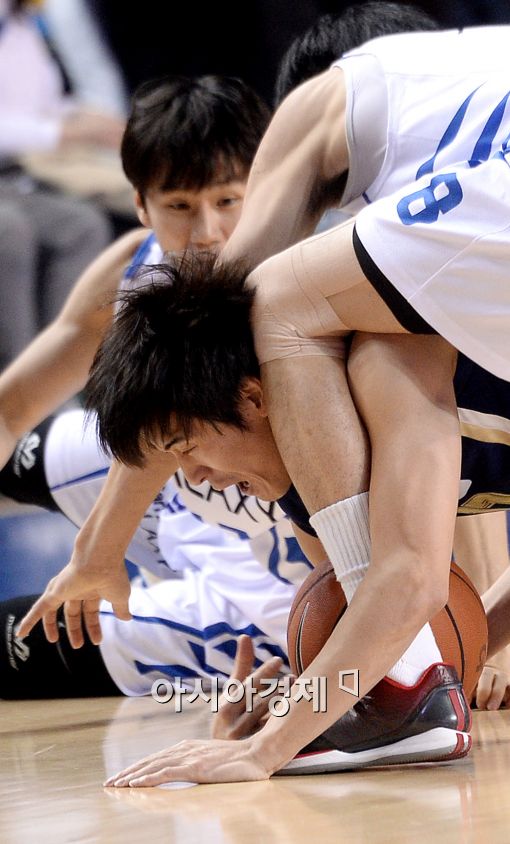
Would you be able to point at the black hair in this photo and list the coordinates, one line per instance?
(178, 352)
(333, 35)
(183, 132)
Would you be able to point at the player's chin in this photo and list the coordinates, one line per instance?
(260, 489)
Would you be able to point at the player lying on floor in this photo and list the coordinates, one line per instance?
(66, 471)
(217, 427)
(184, 628)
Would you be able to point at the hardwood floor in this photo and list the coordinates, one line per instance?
(54, 756)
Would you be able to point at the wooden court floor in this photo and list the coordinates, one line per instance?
(54, 755)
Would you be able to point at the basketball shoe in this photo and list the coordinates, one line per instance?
(394, 724)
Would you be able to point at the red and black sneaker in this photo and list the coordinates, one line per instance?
(394, 724)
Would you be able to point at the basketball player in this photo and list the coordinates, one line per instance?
(189, 199)
(218, 431)
(431, 242)
(481, 544)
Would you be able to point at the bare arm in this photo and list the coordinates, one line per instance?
(296, 170)
(56, 364)
(481, 547)
(415, 470)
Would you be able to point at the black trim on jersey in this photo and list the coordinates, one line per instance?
(400, 307)
(294, 508)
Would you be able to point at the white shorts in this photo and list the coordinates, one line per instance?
(444, 244)
(187, 629)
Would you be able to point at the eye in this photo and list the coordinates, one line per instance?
(227, 201)
(179, 206)
(188, 450)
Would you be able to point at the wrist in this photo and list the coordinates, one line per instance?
(271, 747)
(92, 536)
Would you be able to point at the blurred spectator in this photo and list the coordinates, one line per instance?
(46, 237)
(96, 80)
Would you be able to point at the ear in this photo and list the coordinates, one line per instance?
(141, 210)
(252, 395)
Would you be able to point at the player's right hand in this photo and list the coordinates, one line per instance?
(233, 721)
(80, 589)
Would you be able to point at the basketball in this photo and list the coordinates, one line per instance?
(460, 628)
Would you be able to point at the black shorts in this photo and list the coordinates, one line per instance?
(34, 668)
(23, 477)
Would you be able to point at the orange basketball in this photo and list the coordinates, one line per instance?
(460, 628)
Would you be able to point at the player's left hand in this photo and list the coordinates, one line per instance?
(80, 587)
(205, 761)
(493, 689)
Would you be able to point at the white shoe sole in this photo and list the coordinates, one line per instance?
(439, 744)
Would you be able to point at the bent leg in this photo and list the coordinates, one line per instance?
(187, 630)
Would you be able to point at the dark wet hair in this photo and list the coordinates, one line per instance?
(187, 133)
(178, 351)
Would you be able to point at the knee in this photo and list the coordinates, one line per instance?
(285, 319)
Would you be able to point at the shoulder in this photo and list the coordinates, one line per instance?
(312, 120)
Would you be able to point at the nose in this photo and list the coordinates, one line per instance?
(195, 473)
(207, 232)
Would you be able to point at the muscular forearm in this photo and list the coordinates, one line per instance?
(56, 363)
(372, 648)
(51, 370)
(121, 505)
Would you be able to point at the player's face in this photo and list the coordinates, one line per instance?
(225, 456)
(201, 220)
